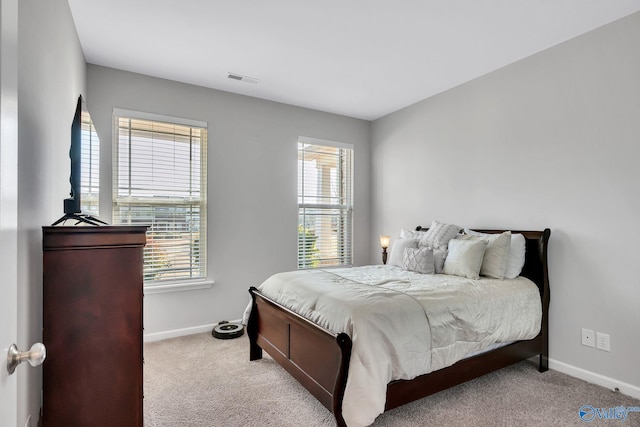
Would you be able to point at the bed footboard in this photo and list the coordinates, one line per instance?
(317, 358)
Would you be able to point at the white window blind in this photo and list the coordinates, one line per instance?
(90, 167)
(325, 203)
(160, 177)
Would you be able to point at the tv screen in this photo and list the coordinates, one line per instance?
(72, 204)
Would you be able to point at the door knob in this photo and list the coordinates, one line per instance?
(36, 355)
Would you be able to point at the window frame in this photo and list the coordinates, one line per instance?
(171, 284)
(344, 255)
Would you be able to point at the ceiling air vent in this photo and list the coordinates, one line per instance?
(242, 78)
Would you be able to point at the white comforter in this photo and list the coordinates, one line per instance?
(404, 324)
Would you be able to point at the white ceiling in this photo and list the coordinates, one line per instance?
(358, 58)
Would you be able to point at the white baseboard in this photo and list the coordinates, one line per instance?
(593, 378)
(163, 335)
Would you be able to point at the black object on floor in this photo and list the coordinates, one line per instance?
(226, 330)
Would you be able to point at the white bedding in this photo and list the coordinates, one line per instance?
(404, 324)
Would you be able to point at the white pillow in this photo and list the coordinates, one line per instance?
(496, 256)
(439, 255)
(419, 260)
(517, 251)
(410, 234)
(465, 257)
(438, 235)
(397, 250)
(516, 256)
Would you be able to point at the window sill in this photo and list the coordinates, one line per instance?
(177, 287)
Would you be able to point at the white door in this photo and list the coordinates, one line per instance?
(8, 205)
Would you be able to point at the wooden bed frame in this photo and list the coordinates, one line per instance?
(319, 359)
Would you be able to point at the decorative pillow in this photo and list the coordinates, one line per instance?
(517, 251)
(419, 260)
(465, 257)
(439, 255)
(496, 256)
(438, 235)
(397, 250)
(410, 234)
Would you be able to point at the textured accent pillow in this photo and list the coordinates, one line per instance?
(496, 256)
(438, 235)
(517, 251)
(419, 260)
(465, 257)
(397, 250)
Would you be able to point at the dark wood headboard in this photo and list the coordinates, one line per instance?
(535, 264)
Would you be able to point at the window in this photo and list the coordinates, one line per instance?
(325, 203)
(160, 175)
(90, 167)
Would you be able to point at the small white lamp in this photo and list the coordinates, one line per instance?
(384, 242)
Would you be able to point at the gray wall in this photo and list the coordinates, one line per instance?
(550, 141)
(252, 178)
(51, 76)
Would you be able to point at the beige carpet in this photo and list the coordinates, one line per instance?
(198, 380)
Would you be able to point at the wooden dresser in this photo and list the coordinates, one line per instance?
(92, 325)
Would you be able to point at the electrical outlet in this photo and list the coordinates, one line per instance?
(588, 338)
(603, 342)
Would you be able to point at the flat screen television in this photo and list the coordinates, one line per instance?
(73, 204)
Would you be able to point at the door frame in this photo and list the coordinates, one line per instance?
(8, 205)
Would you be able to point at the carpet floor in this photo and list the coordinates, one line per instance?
(198, 380)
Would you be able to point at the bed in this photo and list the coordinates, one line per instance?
(319, 355)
